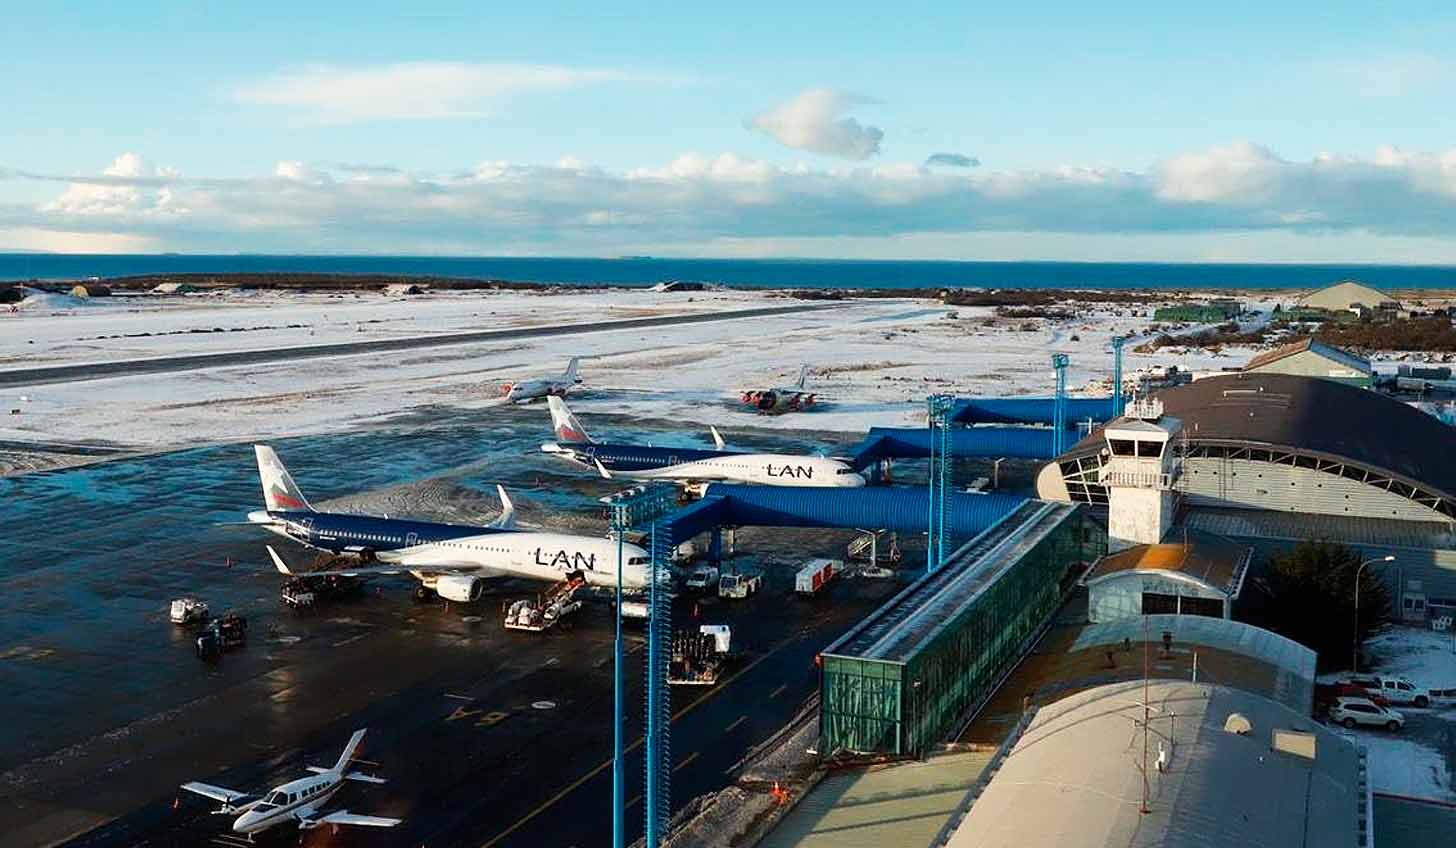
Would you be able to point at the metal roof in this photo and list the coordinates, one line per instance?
(900, 628)
(1211, 560)
(1314, 417)
(900, 804)
(1347, 529)
(1293, 684)
(1074, 779)
(1344, 357)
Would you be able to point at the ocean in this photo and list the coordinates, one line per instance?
(765, 273)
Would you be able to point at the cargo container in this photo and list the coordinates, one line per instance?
(815, 574)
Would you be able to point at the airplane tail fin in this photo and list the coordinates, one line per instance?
(507, 518)
(568, 429)
(570, 374)
(803, 375)
(350, 750)
(717, 438)
(280, 493)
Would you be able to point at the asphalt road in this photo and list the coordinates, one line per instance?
(196, 361)
(487, 737)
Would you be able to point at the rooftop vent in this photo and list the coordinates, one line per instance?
(1238, 723)
(1147, 409)
(1295, 742)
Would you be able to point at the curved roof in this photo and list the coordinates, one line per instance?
(1078, 767)
(1321, 418)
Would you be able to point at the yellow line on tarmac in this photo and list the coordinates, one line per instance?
(741, 719)
(689, 758)
(607, 763)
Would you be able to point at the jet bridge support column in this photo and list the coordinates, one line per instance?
(629, 509)
(1117, 343)
(940, 459)
(1059, 406)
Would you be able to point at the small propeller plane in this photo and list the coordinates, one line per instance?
(297, 801)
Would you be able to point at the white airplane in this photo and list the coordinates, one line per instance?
(539, 387)
(453, 560)
(691, 465)
(297, 801)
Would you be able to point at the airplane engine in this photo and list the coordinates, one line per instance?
(505, 388)
(455, 587)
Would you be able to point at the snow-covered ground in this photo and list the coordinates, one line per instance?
(874, 361)
(1417, 762)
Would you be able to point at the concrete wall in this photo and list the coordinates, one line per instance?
(1209, 481)
(1137, 516)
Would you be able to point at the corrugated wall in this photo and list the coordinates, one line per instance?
(914, 442)
(882, 508)
(1029, 410)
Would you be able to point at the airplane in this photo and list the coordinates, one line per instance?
(539, 387)
(453, 560)
(690, 465)
(773, 401)
(296, 801)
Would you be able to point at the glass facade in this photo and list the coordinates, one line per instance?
(904, 707)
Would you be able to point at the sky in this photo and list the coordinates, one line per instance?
(1288, 132)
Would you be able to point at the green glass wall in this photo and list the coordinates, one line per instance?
(877, 705)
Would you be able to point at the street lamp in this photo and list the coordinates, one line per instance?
(1355, 648)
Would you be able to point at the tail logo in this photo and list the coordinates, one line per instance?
(571, 434)
(282, 500)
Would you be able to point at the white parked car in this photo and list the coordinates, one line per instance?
(1395, 690)
(1353, 711)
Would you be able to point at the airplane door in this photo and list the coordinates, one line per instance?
(307, 529)
(672, 459)
(411, 539)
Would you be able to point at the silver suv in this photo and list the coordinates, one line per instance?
(1353, 711)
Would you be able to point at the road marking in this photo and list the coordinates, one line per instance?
(463, 712)
(490, 719)
(458, 697)
(779, 691)
(741, 719)
(633, 802)
(607, 763)
(342, 642)
(689, 758)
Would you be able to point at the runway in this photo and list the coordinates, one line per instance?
(197, 361)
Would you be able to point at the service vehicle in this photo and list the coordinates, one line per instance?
(538, 614)
(815, 575)
(1355, 711)
(702, 578)
(698, 658)
(187, 611)
(222, 635)
(739, 585)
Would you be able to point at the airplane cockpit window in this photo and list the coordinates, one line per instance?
(277, 798)
(638, 561)
(843, 471)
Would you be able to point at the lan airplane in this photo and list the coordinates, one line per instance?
(540, 387)
(296, 801)
(454, 560)
(691, 465)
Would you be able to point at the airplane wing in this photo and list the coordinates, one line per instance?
(216, 793)
(361, 570)
(346, 817)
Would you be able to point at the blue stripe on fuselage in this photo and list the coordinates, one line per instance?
(638, 457)
(336, 532)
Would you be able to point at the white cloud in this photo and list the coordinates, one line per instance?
(692, 200)
(328, 94)
(812, 122)
(58, 241)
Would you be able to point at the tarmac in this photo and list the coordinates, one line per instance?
(488, 737)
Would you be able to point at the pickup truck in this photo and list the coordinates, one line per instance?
(739, 585)
(1395, 690)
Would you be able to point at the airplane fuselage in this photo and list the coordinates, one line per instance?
(284, 803)
(423, 547)
(700, 464)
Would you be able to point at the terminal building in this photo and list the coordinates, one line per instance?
(1270, 459)
(1310, 357)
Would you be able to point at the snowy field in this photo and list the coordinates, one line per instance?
(873, 361)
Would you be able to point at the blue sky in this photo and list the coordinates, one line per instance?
(1285, 132)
